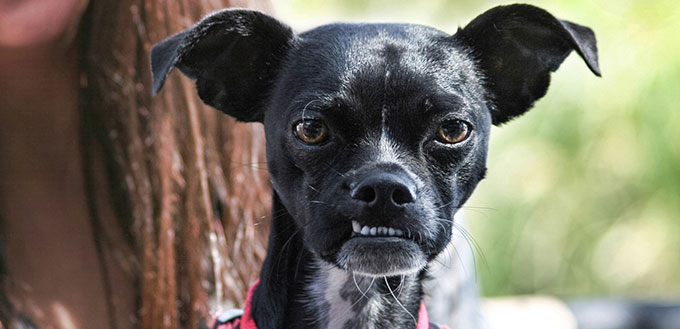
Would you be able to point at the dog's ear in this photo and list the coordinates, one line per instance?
(233, 54)
(517, 47)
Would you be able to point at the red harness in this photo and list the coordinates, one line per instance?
(244, 321)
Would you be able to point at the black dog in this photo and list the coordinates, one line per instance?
(376, 135)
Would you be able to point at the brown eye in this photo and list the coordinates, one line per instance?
(311, 131)
(453, 131)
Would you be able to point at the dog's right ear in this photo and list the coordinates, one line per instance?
(233, 54)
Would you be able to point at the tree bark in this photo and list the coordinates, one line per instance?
(188, 183)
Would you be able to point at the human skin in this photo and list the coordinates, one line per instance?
(31, 23)
(53, 268)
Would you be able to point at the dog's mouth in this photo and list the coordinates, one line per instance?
(378, 231)
(380, 251)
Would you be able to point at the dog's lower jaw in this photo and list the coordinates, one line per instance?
(396, 257)
(299, 290)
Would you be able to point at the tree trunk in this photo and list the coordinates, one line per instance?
(188, 183)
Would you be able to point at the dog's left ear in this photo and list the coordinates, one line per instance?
(233, 54)
(517, 47)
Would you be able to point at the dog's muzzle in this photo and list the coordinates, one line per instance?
(381, 243)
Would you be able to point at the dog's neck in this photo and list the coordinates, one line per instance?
(298, 290)
(337, 299)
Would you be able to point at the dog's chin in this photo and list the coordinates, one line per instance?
(381, 256)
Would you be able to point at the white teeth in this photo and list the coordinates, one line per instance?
(373, 231)
(356, 227)
(365, 230)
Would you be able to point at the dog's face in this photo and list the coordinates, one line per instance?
(373, 146)
(376, 133)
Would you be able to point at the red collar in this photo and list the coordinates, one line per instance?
(246, 322)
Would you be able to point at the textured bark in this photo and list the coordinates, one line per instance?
(189, 183)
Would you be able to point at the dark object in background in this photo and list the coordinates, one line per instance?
(620, 314)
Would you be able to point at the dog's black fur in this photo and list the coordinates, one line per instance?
(385, 98)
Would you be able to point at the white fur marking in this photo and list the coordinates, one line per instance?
(387, 150)
(340, 309)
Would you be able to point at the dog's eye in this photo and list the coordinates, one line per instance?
(453, 131)
(311, 131)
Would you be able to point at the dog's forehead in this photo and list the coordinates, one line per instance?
(356, 45)
(368, 62)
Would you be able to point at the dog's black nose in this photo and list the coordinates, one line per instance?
(384, 189)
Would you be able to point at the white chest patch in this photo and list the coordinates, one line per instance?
(325, 299)
(340, 309)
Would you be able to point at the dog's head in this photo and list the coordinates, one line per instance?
(376, 133)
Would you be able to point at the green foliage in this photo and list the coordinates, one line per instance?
(583, 192)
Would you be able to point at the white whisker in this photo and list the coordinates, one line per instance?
(398, 302)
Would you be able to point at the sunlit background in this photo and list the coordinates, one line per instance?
(583, 192)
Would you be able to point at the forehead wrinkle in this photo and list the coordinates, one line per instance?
(365, 57)
(380, 62)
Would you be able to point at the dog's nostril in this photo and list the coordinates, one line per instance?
(401, 195)
(364, 193)
(384, 189)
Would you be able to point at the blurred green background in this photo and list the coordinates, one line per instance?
(583, 192)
